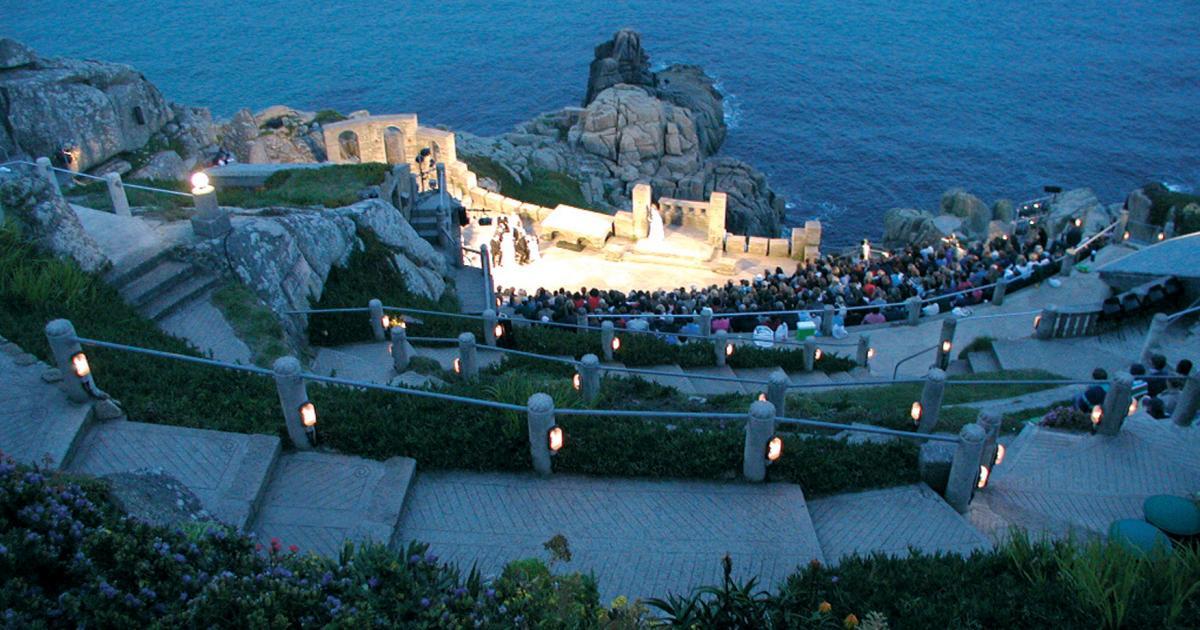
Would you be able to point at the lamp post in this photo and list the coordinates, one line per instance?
(210, 221)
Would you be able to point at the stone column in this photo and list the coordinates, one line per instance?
(760, 428)
(1044, 324)
(1158, 325)
(1188, 402)
(1116, 404)
(946, 343)
(468, 361)
(401, 351)
(777, 388)
(720, 343)
(116, 194)
(589, 377)
(60, 334)
(641, 210)
(1068, 262)
(706, 317)
(210, 221)
(46, 170)
(375, 308)
(717, 202)
(999, 291)
(931, 400)
(964, 469)
(812, 231)
(490, 321)
(607, 334)
(913, 304)
(292, 395)
(990, 423)
(1122, 226)
(581, 322)
(864, 351)
(540, 420)
(810, 354)
(827, 320)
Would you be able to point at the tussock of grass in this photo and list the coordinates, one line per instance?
(255, 324)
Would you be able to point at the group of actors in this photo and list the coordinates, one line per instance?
(510, 245)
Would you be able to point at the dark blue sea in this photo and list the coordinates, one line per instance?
(851, 108)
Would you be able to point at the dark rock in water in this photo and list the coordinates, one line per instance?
(14, 54)
(619, 60)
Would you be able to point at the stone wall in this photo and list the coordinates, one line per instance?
(390, 139)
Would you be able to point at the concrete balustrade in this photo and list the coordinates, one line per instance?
(720, 343)
(589, 377)
(490, 321)
(1188, 402)
(116, 194)
(1116, 404)
(810, 354)
(864, 351)
(402, 352)
(777, 387)
(1153, 342)
(760, 428)
(827, 320)
(946, 343)
(1044, 323)
(607, 334)
(293, 394)
(706, 317)
(964, 468)
(46, 170)
(998, 293)
(375, 311)
(913, 304)
(468, 359)
(540, 419)
(60, 334)
(931, 400)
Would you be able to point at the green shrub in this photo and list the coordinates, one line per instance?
(326, 116)
(1162, 199)
(331, 186)
(255, 324)
(1187, 220)
(544, 188)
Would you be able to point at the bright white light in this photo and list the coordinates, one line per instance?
(199, 181)
(775, 449)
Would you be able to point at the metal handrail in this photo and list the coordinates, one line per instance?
(818, 424)
(68, 171)
(1187, 311)
(910, 357)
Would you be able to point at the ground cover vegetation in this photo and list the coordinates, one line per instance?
(545, 188)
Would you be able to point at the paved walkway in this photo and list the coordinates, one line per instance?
(37, 423)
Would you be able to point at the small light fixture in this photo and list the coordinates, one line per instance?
(983, 477)
(499, 331)
(1133, 406)
(458, 366)
(762, 397)
(774, 449)
(818, 354)
(554, 439)
(1037, 321)
(728, 349)
(79, 363)
(1097, 413)
(498, 302)
(946, 345)
(308, 416)
(386, 321)
(914, 412)
(577, 382)
(1162, 235)
(1125, 236)
(616, 344)
(1006, 237)
(200, 183)
(1078, 222)
(870, 353)
(999, 454)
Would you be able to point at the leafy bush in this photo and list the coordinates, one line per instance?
(326, 116)
(1162, 199)
(544, 188)
(1068, 418)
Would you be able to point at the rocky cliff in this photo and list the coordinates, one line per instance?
(47, 220)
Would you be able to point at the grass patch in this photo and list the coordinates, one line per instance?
(978, 344)
(255, 324)
(544, 188)
(1162, 199)
(326, 116)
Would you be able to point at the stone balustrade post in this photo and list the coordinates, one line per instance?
(760, 428)
(607, 334)
(991, 424)
(777, 388)
(1118, 234)
(46, 170)
(540, 419)
(827, 320)
(490, 322)
(720, 345)
(209, 221)
(116, 194)
(810, 354)
(468, 359)
(999, 292)
(1068, 262)
(293, 394)
(946, 343)
(931, 400)
(401, 351)
(1044, 324)
(375, 310)
(1188, 402)
(913, 304)
(581, 322)
(706, 317)
(1158, 326)
(864, 351)
(1116, 404)
(589, 377)
(60, 334)
(964, 468)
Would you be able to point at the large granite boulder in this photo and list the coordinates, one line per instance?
(165, 165)
(48, 221)
(619, 60)
(393, 231)
(1070, 205)
(1003, 210)
(688, 87)
(904, 226)
(237, 135)
(93, 109)
(638, 134)
(753, 208)
(975, 214)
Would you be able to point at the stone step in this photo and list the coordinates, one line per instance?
(318, 501)
(841, 377)
(226, 471)
(983, 361)
(155, 281)
(38, 424)
(708, 387)
(958, 367)
(179, 295)
(137, 265)
(810, 378)
(673, 376)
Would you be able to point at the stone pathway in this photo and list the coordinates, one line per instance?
(205, 327)
(37, 423)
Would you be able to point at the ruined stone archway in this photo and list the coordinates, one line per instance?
(394, 145)
(348, 147)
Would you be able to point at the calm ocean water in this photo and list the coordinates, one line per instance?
(850, 108)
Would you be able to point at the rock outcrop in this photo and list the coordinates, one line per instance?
(620, 60)
(904, 226)
(276, 134)
(48, 221)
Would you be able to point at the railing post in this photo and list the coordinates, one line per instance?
(401, 351)
(720, 343)
(946, 343)
(375, 307)
(489, 289)
(991, 426)
(810, 354)
(293, 395)
(210, 221)
(760, 428)
(1122, 226)
(46, 170)
(581, 321)
(1188, 402)
(589, 377)
(827, 320)
(468, 361)
(999, 291)
(1158, 325)
(864, 351)
(777, 387)
(914, 310)
(490, 321)
(541, 421)
(706, 317)
(1116, 404)
(1068, 262)
(931, 400)
(607, 334)
(1045, 323)
(964, 469)
(60, 334)
(116, 193)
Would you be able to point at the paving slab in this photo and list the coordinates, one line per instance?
(204, 326)
(708, 387)
(641, 538)
(891, 521)
(318, 501)
(756, 374)
(226, 471)
(38, 424)
(672, 376)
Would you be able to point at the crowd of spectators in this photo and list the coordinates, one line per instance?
(1156, 390)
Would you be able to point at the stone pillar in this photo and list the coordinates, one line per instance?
(540, 420)
(589, 377)
(706, 317)
(827, 320)
(1116, 404)
(607, 334)
(1188, 402)
(210, 221)
(468, 360)
(292, 395)
(777, 388)
(913, 304)
(489, 286)
(641, 210)
(60, 334)
(116, 194)
(799, 243)
(810, 354)
(999, 291)
(864, 351)
(581, 322)
(812, 231)
(1044, 323)
(401, 351)
(760, 428)
(931, 400)
(717, 202)
(490, 321)
(443, 202)
(946, 343)
(375, 308)
(990, 423)
(720, 343)
(46, 170)
(1068, 262)
(1158, 325)
(964, 469)
(1122, 226)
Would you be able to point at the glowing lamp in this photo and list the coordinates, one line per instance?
(554, 439)
(762, 397)
(1161, 236)
(946, 345)
(499, 331)
(386, 321)
(308, 415)
(1078, 222)
(1097, 413)
(1125, 236)
(1037, 321)
(870, 353)
(577, 382)
(458, 366)
(79, 363)
(818, 354)
(1006, 237)
(774, 449)
(1133, 406)
(200, 183)
(983, 477)
(616, 344)
(498, 302)
(999, 454)
(728, 349)
(914, 412)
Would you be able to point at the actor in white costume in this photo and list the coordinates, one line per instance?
(656, 225)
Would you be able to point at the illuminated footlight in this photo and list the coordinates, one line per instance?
(915, 411)
(79, 363)
(946, 345)
(1097, 413)
(308, 415)
(200, 184)
(818, 354)
(729, 350)
(498, 302)
(577, 382)
(870, 353)
(1078, 222)
(499, 331)
(1005, 237)
(1161, 235)
(386, 321)
(1125, 236)
(1037, 321)
(983, 477)
(999, 454)
(616, 344)
(762, 397)
(1133, 406)
(458, 366)
(554, 439)
(774, 449)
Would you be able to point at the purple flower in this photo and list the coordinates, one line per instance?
(373, 582)
(3, 550)
(424, 602)
(834, 579)
(460, 592)
(179, 558)
(413, 559)
(491, 593)
(430, 558)
(107, 590)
